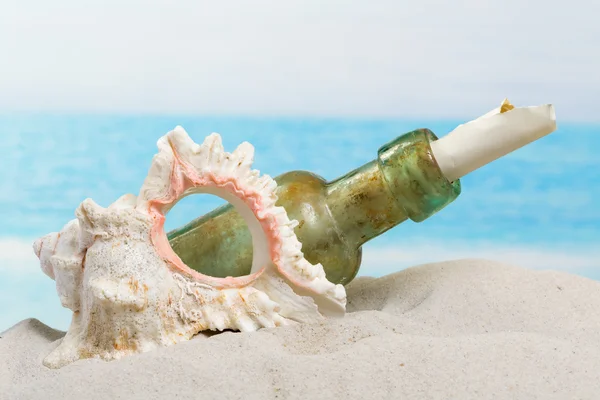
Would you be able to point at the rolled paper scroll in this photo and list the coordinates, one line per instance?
(491, 136)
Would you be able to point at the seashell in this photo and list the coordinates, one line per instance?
(131, 293)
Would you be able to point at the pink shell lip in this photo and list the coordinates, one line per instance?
(184, 177)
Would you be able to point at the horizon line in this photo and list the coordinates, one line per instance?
(268, 116)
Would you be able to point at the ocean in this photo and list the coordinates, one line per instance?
(536, 207)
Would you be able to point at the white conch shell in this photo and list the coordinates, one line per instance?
(130, 292)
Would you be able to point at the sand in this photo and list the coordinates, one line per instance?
(469, 329)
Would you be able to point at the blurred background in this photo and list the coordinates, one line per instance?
(87, 88)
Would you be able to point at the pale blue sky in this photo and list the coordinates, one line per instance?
(344, 57)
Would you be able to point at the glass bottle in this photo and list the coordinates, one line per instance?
(335, 218)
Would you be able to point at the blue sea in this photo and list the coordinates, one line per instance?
(536, 207)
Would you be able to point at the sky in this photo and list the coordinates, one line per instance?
(86, 89)
(427, 58)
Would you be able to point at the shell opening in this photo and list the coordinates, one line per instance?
(260, 244)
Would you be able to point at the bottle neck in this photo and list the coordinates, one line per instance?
(362, 205)
(404, 182)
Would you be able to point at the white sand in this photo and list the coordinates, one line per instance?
(468, 329)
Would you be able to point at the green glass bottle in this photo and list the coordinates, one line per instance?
(335, 218)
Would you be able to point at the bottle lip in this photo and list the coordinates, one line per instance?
(413, 175)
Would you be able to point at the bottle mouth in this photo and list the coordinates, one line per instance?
(413, 175)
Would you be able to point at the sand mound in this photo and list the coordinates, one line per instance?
(469, 329)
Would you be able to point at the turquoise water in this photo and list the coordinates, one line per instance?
(543, 196)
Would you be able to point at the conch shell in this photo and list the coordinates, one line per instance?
(131, 293)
